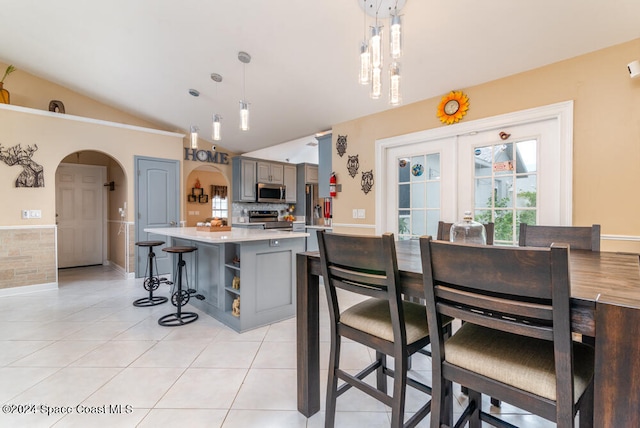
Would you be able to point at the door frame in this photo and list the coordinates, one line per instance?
(562, 112)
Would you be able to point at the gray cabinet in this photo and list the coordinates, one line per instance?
(310, 173)
(269, 172)
(290, 183)
(324, 165)
(244, 179)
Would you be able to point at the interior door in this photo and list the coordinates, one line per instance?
(80, 206)
(157, 205)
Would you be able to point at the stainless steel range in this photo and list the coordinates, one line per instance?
(270, 219)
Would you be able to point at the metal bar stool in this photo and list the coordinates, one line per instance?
(180, 297)
(152, 280)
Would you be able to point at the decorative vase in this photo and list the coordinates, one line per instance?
(4, 95)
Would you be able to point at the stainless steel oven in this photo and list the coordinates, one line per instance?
(270, 220)
(267, 192)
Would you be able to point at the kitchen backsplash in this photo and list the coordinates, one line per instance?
(239, 209)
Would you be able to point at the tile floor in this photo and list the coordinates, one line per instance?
(83, 355)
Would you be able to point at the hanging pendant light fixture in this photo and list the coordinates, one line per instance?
(245, 59)
(216, 121)
(371, 70)
(194, 137)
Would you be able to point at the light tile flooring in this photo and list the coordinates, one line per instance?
(85, 356)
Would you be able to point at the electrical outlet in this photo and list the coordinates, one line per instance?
(35, 213)
(361, 213)
(355, 213)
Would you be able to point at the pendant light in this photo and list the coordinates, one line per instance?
(194, 137)
(395, 36)
(215, 126)
(216, 121)
(394, 84)
(365, 57)
(245, 59)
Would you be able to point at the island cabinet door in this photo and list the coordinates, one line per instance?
(268, 281)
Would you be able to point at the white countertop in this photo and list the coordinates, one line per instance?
(318, 226)
(234, 235)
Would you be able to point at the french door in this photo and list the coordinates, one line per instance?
(510, 170)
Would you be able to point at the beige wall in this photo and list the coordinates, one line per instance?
(71, 137)
(606, 146)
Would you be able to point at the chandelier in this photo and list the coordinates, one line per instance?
(372, 51)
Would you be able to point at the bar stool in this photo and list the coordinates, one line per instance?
(151, 280)
(180, 297)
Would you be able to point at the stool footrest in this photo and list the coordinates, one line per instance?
(175, 320)
(150, 301)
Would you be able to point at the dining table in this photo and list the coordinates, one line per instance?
(605, 308)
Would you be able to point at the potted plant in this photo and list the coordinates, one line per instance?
(4, 94)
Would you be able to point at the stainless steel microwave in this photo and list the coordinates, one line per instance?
(267, 192)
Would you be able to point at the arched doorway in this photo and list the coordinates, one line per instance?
(210, 181)
(91, 195)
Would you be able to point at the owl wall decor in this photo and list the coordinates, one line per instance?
(353, 165)
(341, 145)
(367, 181)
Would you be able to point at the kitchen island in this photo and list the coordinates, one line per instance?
(246, 276)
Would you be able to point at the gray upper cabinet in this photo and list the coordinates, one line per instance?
(311, 174)
(324, 165)
(269, 172)
(244, 180)
(290, 183)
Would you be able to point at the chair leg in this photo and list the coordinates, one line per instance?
(332, 384)
(586, 409)
(381, 377)
(441, 403)
(474, 421)
(399, 392)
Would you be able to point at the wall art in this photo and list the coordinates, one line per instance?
(367, 181)
(341, 145)
(32, 174)
(353, 165)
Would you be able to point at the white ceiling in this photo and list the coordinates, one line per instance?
(142, 56)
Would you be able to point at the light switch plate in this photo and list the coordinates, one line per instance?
(361, 213)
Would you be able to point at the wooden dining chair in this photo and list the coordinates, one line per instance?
(515, 344)
(367, 266)
(444, 229)
(578, 237)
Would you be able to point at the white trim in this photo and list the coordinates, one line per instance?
(36, 288)
(562, 112)
(356, 226)
(33, 226)
(620, 237)
(88, 120)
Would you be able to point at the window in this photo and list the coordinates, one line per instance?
(219, 207)
(418, 195)
(505, 186)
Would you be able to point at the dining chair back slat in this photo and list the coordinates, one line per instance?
(578, 237)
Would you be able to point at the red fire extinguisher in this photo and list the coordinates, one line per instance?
(332, 185)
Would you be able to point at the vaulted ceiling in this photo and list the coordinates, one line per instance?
(143, 56)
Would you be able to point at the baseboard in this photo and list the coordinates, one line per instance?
(14, 291)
